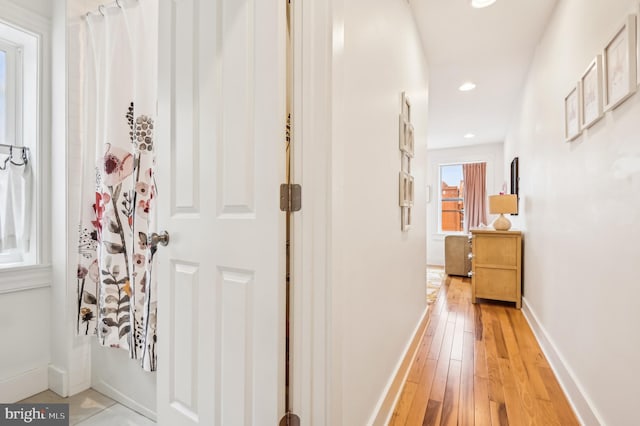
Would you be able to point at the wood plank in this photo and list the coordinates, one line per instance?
(499, 414)
(436, 344)
(431, 414)
(442, 369)
(535, 381)
(469, 320)
(547, 414)
(501, 346)
(451, 395)
(401, 411)
(529, 347)
(561, 404)
(493, 368)
(523, 383)
(482, 412)
(421, 397)
(480, 360)
(511, 397)
(477, 309)
(421, 358)
(466, 405)
(458, 334)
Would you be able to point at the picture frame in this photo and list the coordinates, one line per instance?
(406, 107)
(405, 218)
(405, 163)
(406, 137)
(402, 138)
(619, 65)
(410, 140)
(515, 178)
(572, 114)
(591, 108)
(406, 191)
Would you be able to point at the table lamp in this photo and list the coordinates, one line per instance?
(501, 204)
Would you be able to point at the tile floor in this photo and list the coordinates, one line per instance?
(90, 408)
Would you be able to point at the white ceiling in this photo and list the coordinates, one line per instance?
(492, 47)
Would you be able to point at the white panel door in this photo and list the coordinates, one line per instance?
(220, 162)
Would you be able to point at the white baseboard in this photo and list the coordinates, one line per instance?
(23, 385)
(58, 380)
(123, 399)
(580, 402)
(392, 391)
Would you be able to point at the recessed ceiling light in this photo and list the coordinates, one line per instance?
(469, 136)
(469, 85)
(479, 4)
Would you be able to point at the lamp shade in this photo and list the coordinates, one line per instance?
(503, 204)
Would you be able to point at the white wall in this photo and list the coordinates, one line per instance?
(581, 213)
(25, 343)
(41, 7)
(492, 154)
(24, 291)
(378, 274)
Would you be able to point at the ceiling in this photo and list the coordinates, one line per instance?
(491, 47)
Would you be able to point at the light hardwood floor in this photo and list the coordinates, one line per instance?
(479, 365)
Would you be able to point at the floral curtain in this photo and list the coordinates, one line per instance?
(116, 283)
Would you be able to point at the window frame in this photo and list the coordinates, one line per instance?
(27, 37)
(13, 92)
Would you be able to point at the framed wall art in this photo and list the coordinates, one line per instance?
(515, 178)
(572, 114)
(591, 109)
(406, 107)
(619, 65)
(406, 145)
(407, 139)
(406, 190)
(406, 218)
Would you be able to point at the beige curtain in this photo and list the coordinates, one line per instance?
(475, 195)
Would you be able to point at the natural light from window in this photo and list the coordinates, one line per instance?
(451, 198)
(3, 97)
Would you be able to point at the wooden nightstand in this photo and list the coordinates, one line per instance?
(496, 265)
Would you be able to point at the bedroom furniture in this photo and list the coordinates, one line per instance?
(496, 265)
(501, 204)
(456, 255)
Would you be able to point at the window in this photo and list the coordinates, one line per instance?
(10, 93)
(3, 96)
(451, 217)
(19, 97)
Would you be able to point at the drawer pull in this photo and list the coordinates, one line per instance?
(470, 274)
(470, 255)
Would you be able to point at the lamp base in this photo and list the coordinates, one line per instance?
(501, 223)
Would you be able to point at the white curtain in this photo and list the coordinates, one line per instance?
(116, 284)
(15, 203)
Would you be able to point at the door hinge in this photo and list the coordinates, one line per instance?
(290, 197)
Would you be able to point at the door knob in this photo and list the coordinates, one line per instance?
(154, 239)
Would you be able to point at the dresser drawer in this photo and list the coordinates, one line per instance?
(489, 250)
(497, 284)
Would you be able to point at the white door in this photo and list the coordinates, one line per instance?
(221, 125)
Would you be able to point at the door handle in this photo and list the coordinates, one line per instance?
(154, 239)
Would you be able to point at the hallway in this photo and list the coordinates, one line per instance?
(479, 364)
